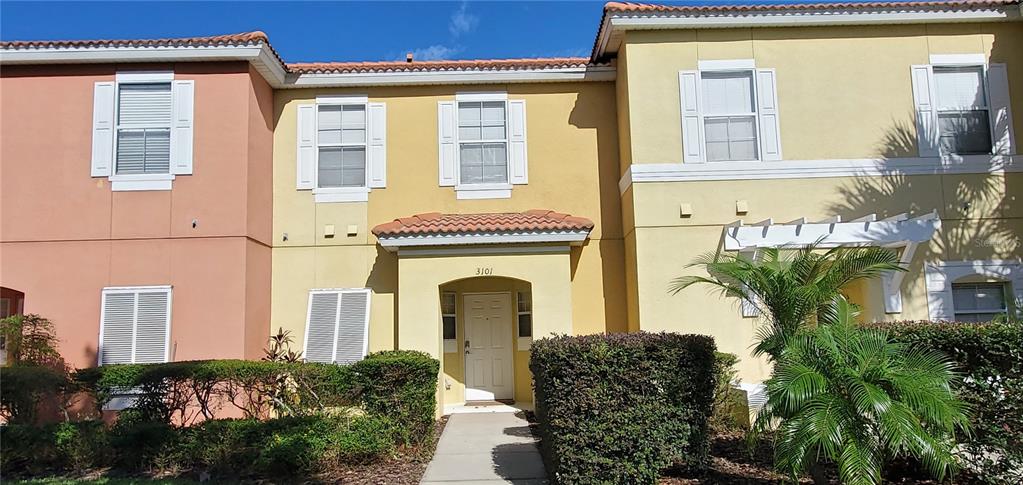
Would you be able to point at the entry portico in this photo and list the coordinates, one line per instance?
(497, 268)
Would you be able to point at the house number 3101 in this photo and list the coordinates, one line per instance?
(484, 271)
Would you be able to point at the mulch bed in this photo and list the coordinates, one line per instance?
(405, 468)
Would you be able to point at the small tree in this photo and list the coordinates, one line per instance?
(791, 287)
(30, 340)
(854, 397)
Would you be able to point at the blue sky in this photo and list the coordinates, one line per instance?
(333, 31)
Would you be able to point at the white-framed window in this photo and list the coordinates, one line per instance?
(973, 290)
(135, 324)
(142, 130)
(449, 321)
(337, 325)
(729, 113)
(978, 302)
(482, 139)
(524, 319)
(962, 106)
(342, 148)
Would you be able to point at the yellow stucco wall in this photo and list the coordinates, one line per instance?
(665, 242)
(841, 90)
(573, 168)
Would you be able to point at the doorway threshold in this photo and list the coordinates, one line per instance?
(486, 407)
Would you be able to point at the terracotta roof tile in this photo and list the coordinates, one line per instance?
(648, 7)
(421, 66)
(435, 223)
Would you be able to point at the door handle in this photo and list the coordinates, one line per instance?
(467, 347)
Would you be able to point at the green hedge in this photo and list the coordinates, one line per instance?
(621, 408)
(23, 387)
(299, 418)
(990, 356)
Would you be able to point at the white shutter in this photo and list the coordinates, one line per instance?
(692, 123)
(181, 127)
(940, 305)
(321, 325)
(517, 159)
(103, 97)
(152, 321)
(117, 328)
(926, 114)
(306, 159)
(1001, 114)
(353, 321)
(767, 111)
(376, 155)
(447, 140)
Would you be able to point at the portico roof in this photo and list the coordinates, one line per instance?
(436, 229)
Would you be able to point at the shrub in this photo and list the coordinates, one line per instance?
(730, 411)
(30, 339)
(620, 408)
(401, 385)
(68, 446)
(990, 356)
(24, 387)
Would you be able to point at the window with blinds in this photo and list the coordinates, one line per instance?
(483, 142)
(337, 325)
(143, 128)
(964, 125)
(341, 143)
(135, 325)
(730, 115)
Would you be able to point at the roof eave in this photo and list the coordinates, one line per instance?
(614, 23)
(573, 74)
(394, 243)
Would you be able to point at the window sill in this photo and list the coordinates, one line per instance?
(341, 194)
(125, 183)
(483, 191)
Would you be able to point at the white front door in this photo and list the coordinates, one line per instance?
(488, 347)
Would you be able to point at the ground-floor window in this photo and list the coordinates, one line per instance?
(337, 325)
(135, 325)
(978, 302)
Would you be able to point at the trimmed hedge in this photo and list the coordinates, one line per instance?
(23, 387)
(299, 418)
(621, 408)
(990, 356)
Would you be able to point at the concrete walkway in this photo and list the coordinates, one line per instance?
(486, 448)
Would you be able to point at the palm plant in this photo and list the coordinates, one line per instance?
(791, 287)
(854, 397)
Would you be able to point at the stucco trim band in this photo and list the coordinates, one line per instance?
(798, 169)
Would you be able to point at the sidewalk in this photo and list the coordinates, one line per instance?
(486, 448)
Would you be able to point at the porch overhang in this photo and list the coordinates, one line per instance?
(899, 231)
(530, 227)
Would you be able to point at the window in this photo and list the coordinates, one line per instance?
(482, 143)
(449, 321)
(729, 115)
(337, 325)
(135, 325)
(964, 125)
(524, 316)
(143, 128)
(729, 112)
(341, 145)
(978, 302)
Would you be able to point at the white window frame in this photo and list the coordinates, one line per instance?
(523, 343)
(134, 337)
(941, 275)
(939, 61)
(337, 321)
(729, 67)
(482, 191)
(149, 181)
(340, 194)
(450, 344)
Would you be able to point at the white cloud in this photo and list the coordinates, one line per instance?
(462, 21)
(435, 52)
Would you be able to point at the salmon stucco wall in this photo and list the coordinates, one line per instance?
(64, 235)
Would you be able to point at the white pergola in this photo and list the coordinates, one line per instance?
(898, 231)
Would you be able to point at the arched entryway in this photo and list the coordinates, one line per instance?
(486, 326)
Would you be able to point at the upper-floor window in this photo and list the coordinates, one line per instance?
(978, 302)
(342, 148)
(964, 123)
(143, 128)
(729, 112)
(482, 142)
(962, 106)
(341, 145)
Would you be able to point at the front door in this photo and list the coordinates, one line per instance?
(488, 347)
